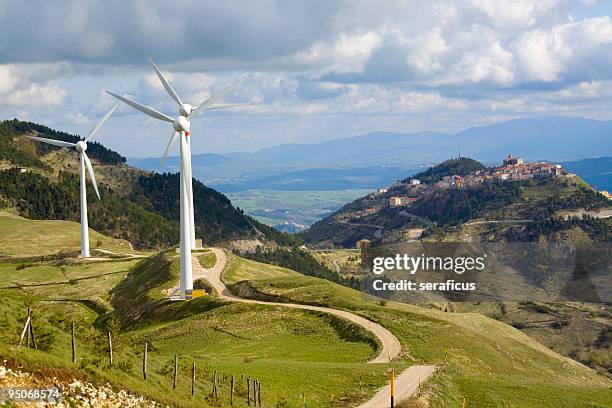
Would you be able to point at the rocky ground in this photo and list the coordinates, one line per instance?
(75, 392)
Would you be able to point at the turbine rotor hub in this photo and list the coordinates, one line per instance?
(181, 124)
(81, 146)
(185, 109)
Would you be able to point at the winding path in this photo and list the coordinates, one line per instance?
(405, 384)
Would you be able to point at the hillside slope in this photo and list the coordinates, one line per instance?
(23, 237)
(436, 206)
(135, 205)
(485, 361)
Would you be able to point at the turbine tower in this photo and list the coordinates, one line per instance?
(80, 147)
(181, 127)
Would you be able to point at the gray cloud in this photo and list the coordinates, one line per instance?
(126, 32)
(320, 69)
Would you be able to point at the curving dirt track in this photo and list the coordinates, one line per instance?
(406, 383)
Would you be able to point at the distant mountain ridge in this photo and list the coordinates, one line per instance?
(543, 138)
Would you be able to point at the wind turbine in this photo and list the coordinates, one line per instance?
(80, 147)
(181, 127)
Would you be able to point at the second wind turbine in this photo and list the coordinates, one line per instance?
(181, 130)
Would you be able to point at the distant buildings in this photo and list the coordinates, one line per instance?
(606, 194)
(512, 161)
(400, 201)
(514, 168)
(363, 213)
(455, 182)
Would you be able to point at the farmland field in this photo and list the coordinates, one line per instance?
(275, 207)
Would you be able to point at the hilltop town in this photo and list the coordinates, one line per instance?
(512, 169)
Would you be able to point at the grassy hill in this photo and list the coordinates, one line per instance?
(23, 237)
(289, 351)
(459, 166)
(487, 362)
(137, 206)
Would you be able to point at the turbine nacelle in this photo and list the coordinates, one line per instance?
(181, 124)
(185, 109)
(81, 146)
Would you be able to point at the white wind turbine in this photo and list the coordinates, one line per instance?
(80, 147)
(181, 126)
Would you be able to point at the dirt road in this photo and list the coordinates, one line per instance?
(391, 347)
(406, 385)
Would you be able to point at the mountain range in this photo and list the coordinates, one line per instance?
(543, 138)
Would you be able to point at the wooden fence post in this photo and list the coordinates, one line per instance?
(28, 329)
(249, 391)
(144, 361)
(193, 378)
(259, 393)
(25, 330)
(215, 385)
(32, 330)
(110, 350)
(232, 391)
(175, 372)
(74, 358)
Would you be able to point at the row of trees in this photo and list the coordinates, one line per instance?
(11, 128)
(460, 166)
(452, 206)
(37, 197)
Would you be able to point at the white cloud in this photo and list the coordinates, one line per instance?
(514, 13)
(544, 55)
(22, 86)
(319, 69)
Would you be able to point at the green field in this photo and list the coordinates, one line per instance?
(23, 237)
(304, 207)
(239, 269)
(289, 351)
(489, 363)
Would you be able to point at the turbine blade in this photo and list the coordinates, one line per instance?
(219, 95)
(144, 109)
(171, 143)
(166, 84)
(235, 105)
(60, 143)
(91, 173)
(99, 125)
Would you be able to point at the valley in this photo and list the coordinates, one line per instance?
(292, 211)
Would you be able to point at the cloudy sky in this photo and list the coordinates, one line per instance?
(317, 70)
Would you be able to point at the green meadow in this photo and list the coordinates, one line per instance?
(295, 354)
